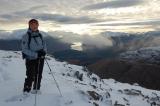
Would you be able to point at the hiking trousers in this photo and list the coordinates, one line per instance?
(32, 73)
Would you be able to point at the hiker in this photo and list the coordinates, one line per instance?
(33, 51)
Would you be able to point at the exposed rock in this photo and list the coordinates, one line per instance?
(132, 92)
(78, 75)
(94, 95)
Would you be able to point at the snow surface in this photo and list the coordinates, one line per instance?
(91, 91)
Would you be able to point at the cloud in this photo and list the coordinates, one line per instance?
(97, 41)
(113, 4)
(59, 18)
(131, 23)
(62, 19)
(21, 14)
(53, 13)
(65, 19)
(31, 9)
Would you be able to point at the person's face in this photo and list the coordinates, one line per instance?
(34, 26)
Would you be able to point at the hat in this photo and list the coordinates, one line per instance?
(33, 21)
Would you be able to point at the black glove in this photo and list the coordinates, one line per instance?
(41, 53)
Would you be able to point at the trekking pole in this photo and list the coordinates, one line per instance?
(54, 78)
(36, 80)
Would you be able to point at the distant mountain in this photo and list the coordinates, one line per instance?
(10, 44)
(12, 41)
(62, 50)
(140, 66)
(146, 75)
(136, 41)
(86, 57)
(146, 55)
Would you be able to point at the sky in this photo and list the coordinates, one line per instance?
(82, 16)
(81, 21)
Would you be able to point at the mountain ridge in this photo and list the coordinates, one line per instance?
(77, 83)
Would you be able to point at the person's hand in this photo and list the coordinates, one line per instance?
(41, 53)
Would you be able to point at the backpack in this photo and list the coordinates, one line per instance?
(29, 41)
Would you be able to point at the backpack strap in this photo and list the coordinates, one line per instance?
(29, 39)
(40, 35)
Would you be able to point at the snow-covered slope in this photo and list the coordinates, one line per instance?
(149, 54)
(79, 86)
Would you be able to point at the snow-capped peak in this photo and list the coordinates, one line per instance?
(148, 54)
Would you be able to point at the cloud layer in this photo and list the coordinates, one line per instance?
(95, 15)
(114, 4)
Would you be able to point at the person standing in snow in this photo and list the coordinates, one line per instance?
(33, 51)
